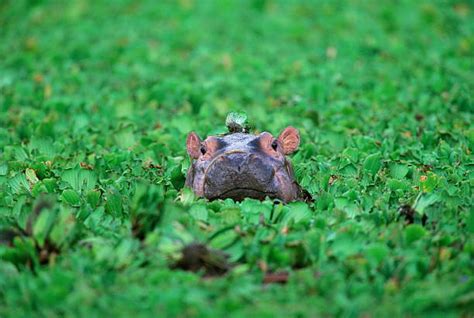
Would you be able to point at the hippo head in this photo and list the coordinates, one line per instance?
(241, 165)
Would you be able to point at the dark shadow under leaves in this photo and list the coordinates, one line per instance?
(197, 257)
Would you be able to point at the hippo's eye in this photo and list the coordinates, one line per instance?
(203, 149)
(275, 144)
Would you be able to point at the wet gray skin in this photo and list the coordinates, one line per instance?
(241, 165)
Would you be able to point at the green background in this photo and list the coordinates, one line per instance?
(96, 100)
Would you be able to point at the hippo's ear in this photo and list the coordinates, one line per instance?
(193, 145)
(289, 140)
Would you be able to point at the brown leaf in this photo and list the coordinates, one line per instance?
(277, 277)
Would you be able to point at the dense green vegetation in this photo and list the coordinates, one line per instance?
(96, 100)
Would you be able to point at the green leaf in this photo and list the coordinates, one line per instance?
(199, 212)
(298, 212)
(376, 253)
(348, 206)
(176, 177)
(19, 183)
(345, 245)
(187, 196)
(50, 184)
(125, 137)
(398, 171)
(252, 210)
(231, 215)
(372, 163)
(43, 225)
(324, 201)
(71, 197)
(425, 201)
(64, 227)
(394, 185)
(19, 212)
(224, 239)
(39, 188)
(44, 146)
(3, 169)
(235, 251)
(80, 179)
(20, 153)
(470, 221)
(114, 203)
(414, 232)
(93, 197)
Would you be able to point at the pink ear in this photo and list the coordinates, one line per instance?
(193, 145)
(289, 139)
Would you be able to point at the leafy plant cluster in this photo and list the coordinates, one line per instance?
(96, 100)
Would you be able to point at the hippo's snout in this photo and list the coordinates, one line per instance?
(239, 174)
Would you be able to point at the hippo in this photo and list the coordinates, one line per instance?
(241, 165)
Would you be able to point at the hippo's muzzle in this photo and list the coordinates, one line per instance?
(238, 174)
